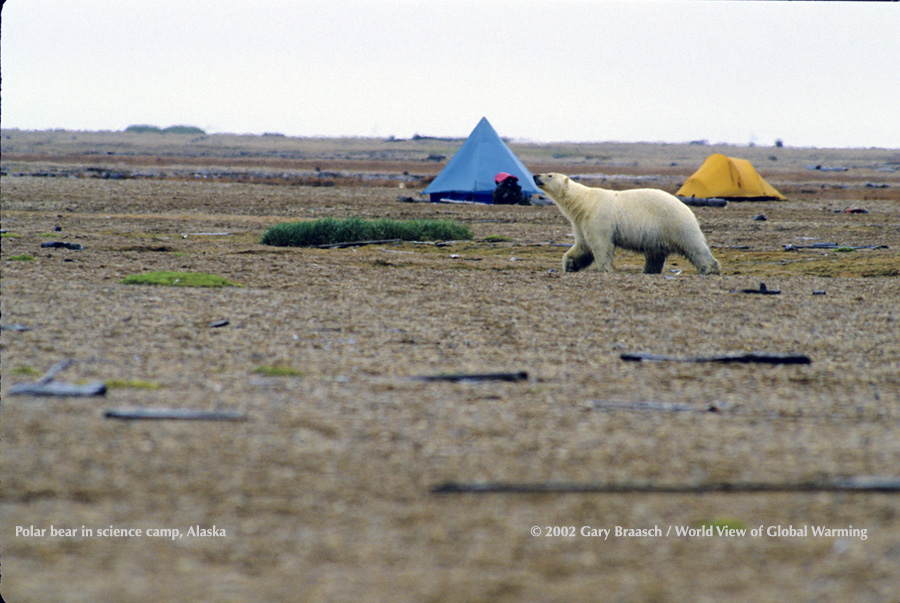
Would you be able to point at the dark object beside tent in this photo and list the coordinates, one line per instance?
(469, 175)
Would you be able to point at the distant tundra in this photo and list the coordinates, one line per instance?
(648, 221)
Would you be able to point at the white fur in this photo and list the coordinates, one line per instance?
(647, 221)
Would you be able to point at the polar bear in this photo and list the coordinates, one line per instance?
(648, 221)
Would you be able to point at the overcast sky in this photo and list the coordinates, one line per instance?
(823, 74)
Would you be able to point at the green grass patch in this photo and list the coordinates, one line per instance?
(277, 370)
(132, 384)
(497, 239)
(10, 235)
(25, 370)
(20, 258)
(723, 523)
(329, 231)
(178, 279)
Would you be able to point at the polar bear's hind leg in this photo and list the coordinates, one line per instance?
(654, 262)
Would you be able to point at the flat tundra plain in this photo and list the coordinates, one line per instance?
(345, 479)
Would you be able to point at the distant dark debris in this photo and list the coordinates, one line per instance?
(62, 245)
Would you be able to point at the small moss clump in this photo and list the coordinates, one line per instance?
(25, 370)
(277, 370)
(330, 231)
(21, 258)
(178, 279)
(724, 523)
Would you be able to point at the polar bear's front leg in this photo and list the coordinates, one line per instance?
(577, 258)
(603, 251)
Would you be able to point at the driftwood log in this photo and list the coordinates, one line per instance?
(790, 247)
(457, 377)
(852, 484)
(173, 414)
(46, 386)
(62, 245)
(356, 244)
(751, 357)
(763, 290)
(695, 202)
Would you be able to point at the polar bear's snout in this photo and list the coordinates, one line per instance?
(544, 180)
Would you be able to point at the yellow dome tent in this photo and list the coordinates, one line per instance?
(727, 178)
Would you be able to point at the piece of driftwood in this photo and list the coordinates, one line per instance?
(723, 409)
(857, 484)
(458, 202)
(751, 357)
(173, 414)
(356, 244)
(711, 202)
(825, 168)
(651, 406)
(219, 323)
(457, 377)
(54, 371)
(15, 327)
(62, 245)
(57, 388)
(46, 386)
(790, 247)
(763, 290)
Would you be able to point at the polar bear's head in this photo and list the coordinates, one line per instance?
(552, 184)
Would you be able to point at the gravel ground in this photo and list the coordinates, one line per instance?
(325, 492)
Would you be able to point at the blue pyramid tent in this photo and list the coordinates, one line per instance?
(469, 175)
